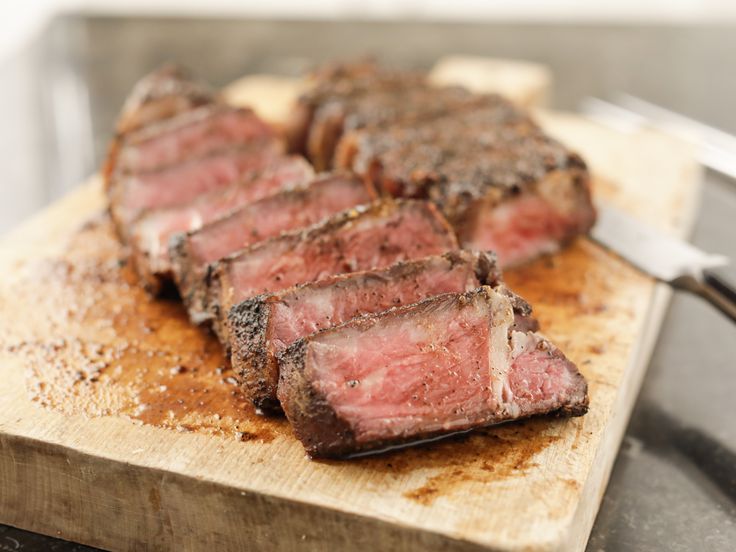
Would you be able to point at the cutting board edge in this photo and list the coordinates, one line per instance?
(595, 487)
(361, 532)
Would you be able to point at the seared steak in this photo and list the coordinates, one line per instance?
(151, 233)
(182, 183)
(188, 136)
(316, 123)
(192, 252)
(161, 94)
(450, 363)
(263, 326)
(372, 236)
(501, 181)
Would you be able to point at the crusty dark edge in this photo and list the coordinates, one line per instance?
(217, 276)
(256, 369)
(325, 435)
(188, 278)
(315, 423)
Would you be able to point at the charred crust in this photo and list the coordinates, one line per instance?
(256, 369)
(316, 424)
(486, 268)
(189, 280)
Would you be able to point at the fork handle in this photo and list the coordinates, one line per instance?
(713, 289)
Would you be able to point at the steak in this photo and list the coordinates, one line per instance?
(160, 95)
(316, 122)
(163, 93)
(501, 181)
(191, 253)
(372, 236)
(263, 326)
(151, 233)
(450, 363)
(190, 135)
(182, 183)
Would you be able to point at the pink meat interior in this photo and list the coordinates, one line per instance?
(274, 215)
(411, 374)
(202, 135)
(323, 305)
(368, 242)
(155, 230)
(183, 183)
(519, 230)
(539, 379)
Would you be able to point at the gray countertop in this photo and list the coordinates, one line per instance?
(674, 483)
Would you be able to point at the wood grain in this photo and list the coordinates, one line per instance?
(109, 437)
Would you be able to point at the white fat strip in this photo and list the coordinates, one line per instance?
(502, 317)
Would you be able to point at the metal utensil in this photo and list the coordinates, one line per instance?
(716, 148)
(664, 257)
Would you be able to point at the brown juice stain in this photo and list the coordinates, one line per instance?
(482, 456)
(96, 344)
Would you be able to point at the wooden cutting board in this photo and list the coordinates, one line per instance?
(120, 425)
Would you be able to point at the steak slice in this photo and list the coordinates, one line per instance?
(263, 326)
(381, 108)
(316, 123)
(163, 93)
(189, 135)
(151, 233)
(500, 180)
(182, 183)
(451, 363)
(191, 253)
(372, 236)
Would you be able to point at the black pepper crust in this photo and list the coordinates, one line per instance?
(330, 86)
(189, 279)
(325, 434)
(255, 368)
(315, 423)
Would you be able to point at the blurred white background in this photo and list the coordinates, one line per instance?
(20, 19)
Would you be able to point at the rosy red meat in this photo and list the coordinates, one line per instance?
(373, 236)
(151, 233)
(190, 135)
(182, 183)
(450, 363)
(262, 327)
(159, 96)
(522, 228)
(257, 221)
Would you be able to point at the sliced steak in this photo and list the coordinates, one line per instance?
(182, 183)
(191, 253)
(263, 326)
(150, 235)
(450, 363)
(366, 237)
(162, 94)
(190, 135)
(501, 181)
(317, 120)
